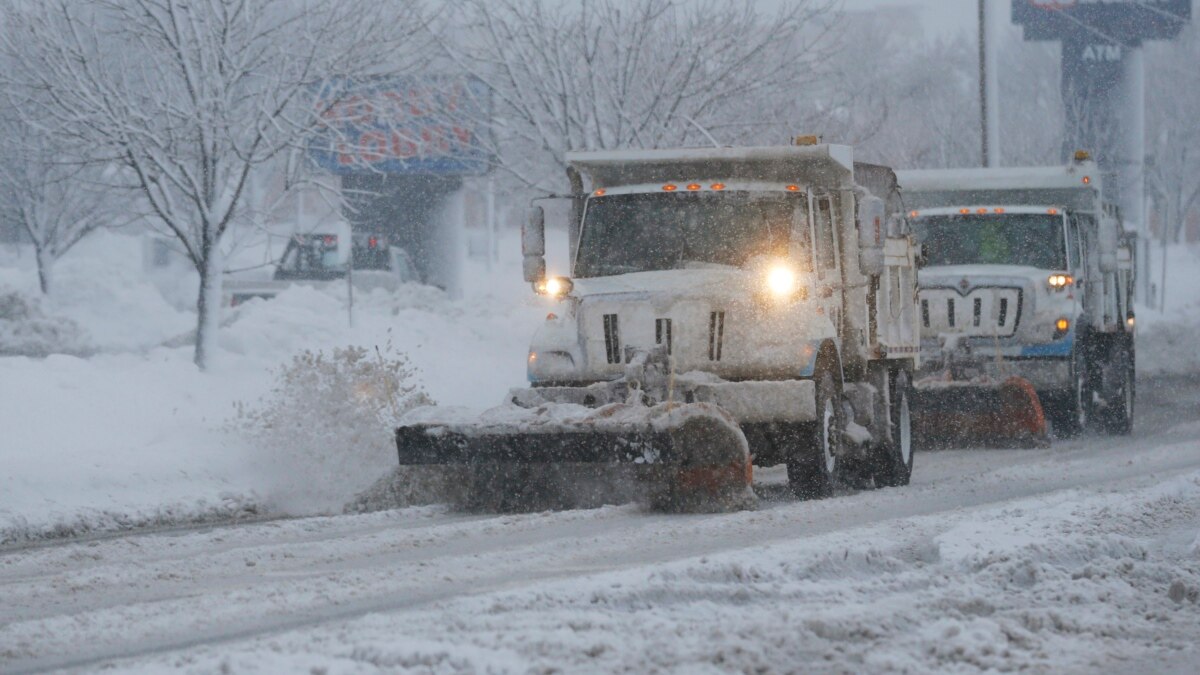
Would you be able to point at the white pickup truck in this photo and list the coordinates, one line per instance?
(327, 256)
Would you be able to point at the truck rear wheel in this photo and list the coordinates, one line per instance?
(813, 463)
(894, 459)
(1118, 413)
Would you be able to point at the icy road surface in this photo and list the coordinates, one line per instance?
(1081, 557)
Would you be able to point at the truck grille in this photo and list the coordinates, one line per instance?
(989, 311)
(612, 338)
(716, 335)
(662, 333)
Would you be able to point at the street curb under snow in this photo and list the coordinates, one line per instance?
(17, 533)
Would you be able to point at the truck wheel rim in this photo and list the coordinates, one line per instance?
(826, 444)
(905, 429)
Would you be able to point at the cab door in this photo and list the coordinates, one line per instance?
(827, 259)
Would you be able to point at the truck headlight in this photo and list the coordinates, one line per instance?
(1059, 282)
(555, 287)
(782, 281)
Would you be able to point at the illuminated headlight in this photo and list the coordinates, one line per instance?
(1060, 281)
(782, 281)
(555, 287)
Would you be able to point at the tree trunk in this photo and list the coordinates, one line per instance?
(208, 306)
(45, 265)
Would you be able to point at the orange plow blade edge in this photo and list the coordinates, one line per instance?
(951, 414)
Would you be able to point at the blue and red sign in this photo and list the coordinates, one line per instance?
(404, 125)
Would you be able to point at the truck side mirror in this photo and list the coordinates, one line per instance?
(1108, 245)
(922, 255)
(872, 231)
(533, 244)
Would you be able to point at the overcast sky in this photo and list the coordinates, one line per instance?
(942, 17)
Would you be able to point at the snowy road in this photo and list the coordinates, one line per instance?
(1082, 556)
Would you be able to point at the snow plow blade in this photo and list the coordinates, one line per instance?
(695, 452)
(980, 414)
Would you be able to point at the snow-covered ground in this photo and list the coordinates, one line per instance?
(1078, 558)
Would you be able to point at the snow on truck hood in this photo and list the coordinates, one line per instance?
(973, 272)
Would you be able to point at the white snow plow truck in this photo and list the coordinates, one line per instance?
(725, 307)
(1025, 303)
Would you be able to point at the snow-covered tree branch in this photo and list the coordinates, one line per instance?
(599, 74)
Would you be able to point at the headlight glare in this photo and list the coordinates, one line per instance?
(554, 287)
(782, 281)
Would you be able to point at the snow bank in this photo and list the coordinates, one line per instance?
(1167, 341)
(135, 435)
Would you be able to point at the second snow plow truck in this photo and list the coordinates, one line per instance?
(1025, 303)
(725, 307)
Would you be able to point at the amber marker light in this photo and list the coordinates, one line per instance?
(1000, 211)
(981, 211)
(914, 214)
(693, 187)
(793, 188)
(1053, 212)
(1087, 180)
(670, 187)
(599, 193)
(717, 186)
(964, 211)
(1062, 325)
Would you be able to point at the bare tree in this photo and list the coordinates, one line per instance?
(52, 199)
(603, 74)
(194, 96)
(1172, 135)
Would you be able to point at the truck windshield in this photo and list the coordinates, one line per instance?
(670, 230)
(1029, 239)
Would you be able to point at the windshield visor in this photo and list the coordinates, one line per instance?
(644, 232)
(1028, 239)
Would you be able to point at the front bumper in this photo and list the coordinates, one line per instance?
(749, 402)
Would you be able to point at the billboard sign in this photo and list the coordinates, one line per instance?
(404, 125)
(1128, 21)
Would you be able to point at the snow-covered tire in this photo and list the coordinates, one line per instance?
(813, 464)
(894, 459)
(1071, 412)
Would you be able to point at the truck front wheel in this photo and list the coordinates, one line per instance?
(1071, 411)
(813, 463)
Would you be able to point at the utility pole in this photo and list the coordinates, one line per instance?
(989, 95)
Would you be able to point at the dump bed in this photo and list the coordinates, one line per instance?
(1076, 187)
